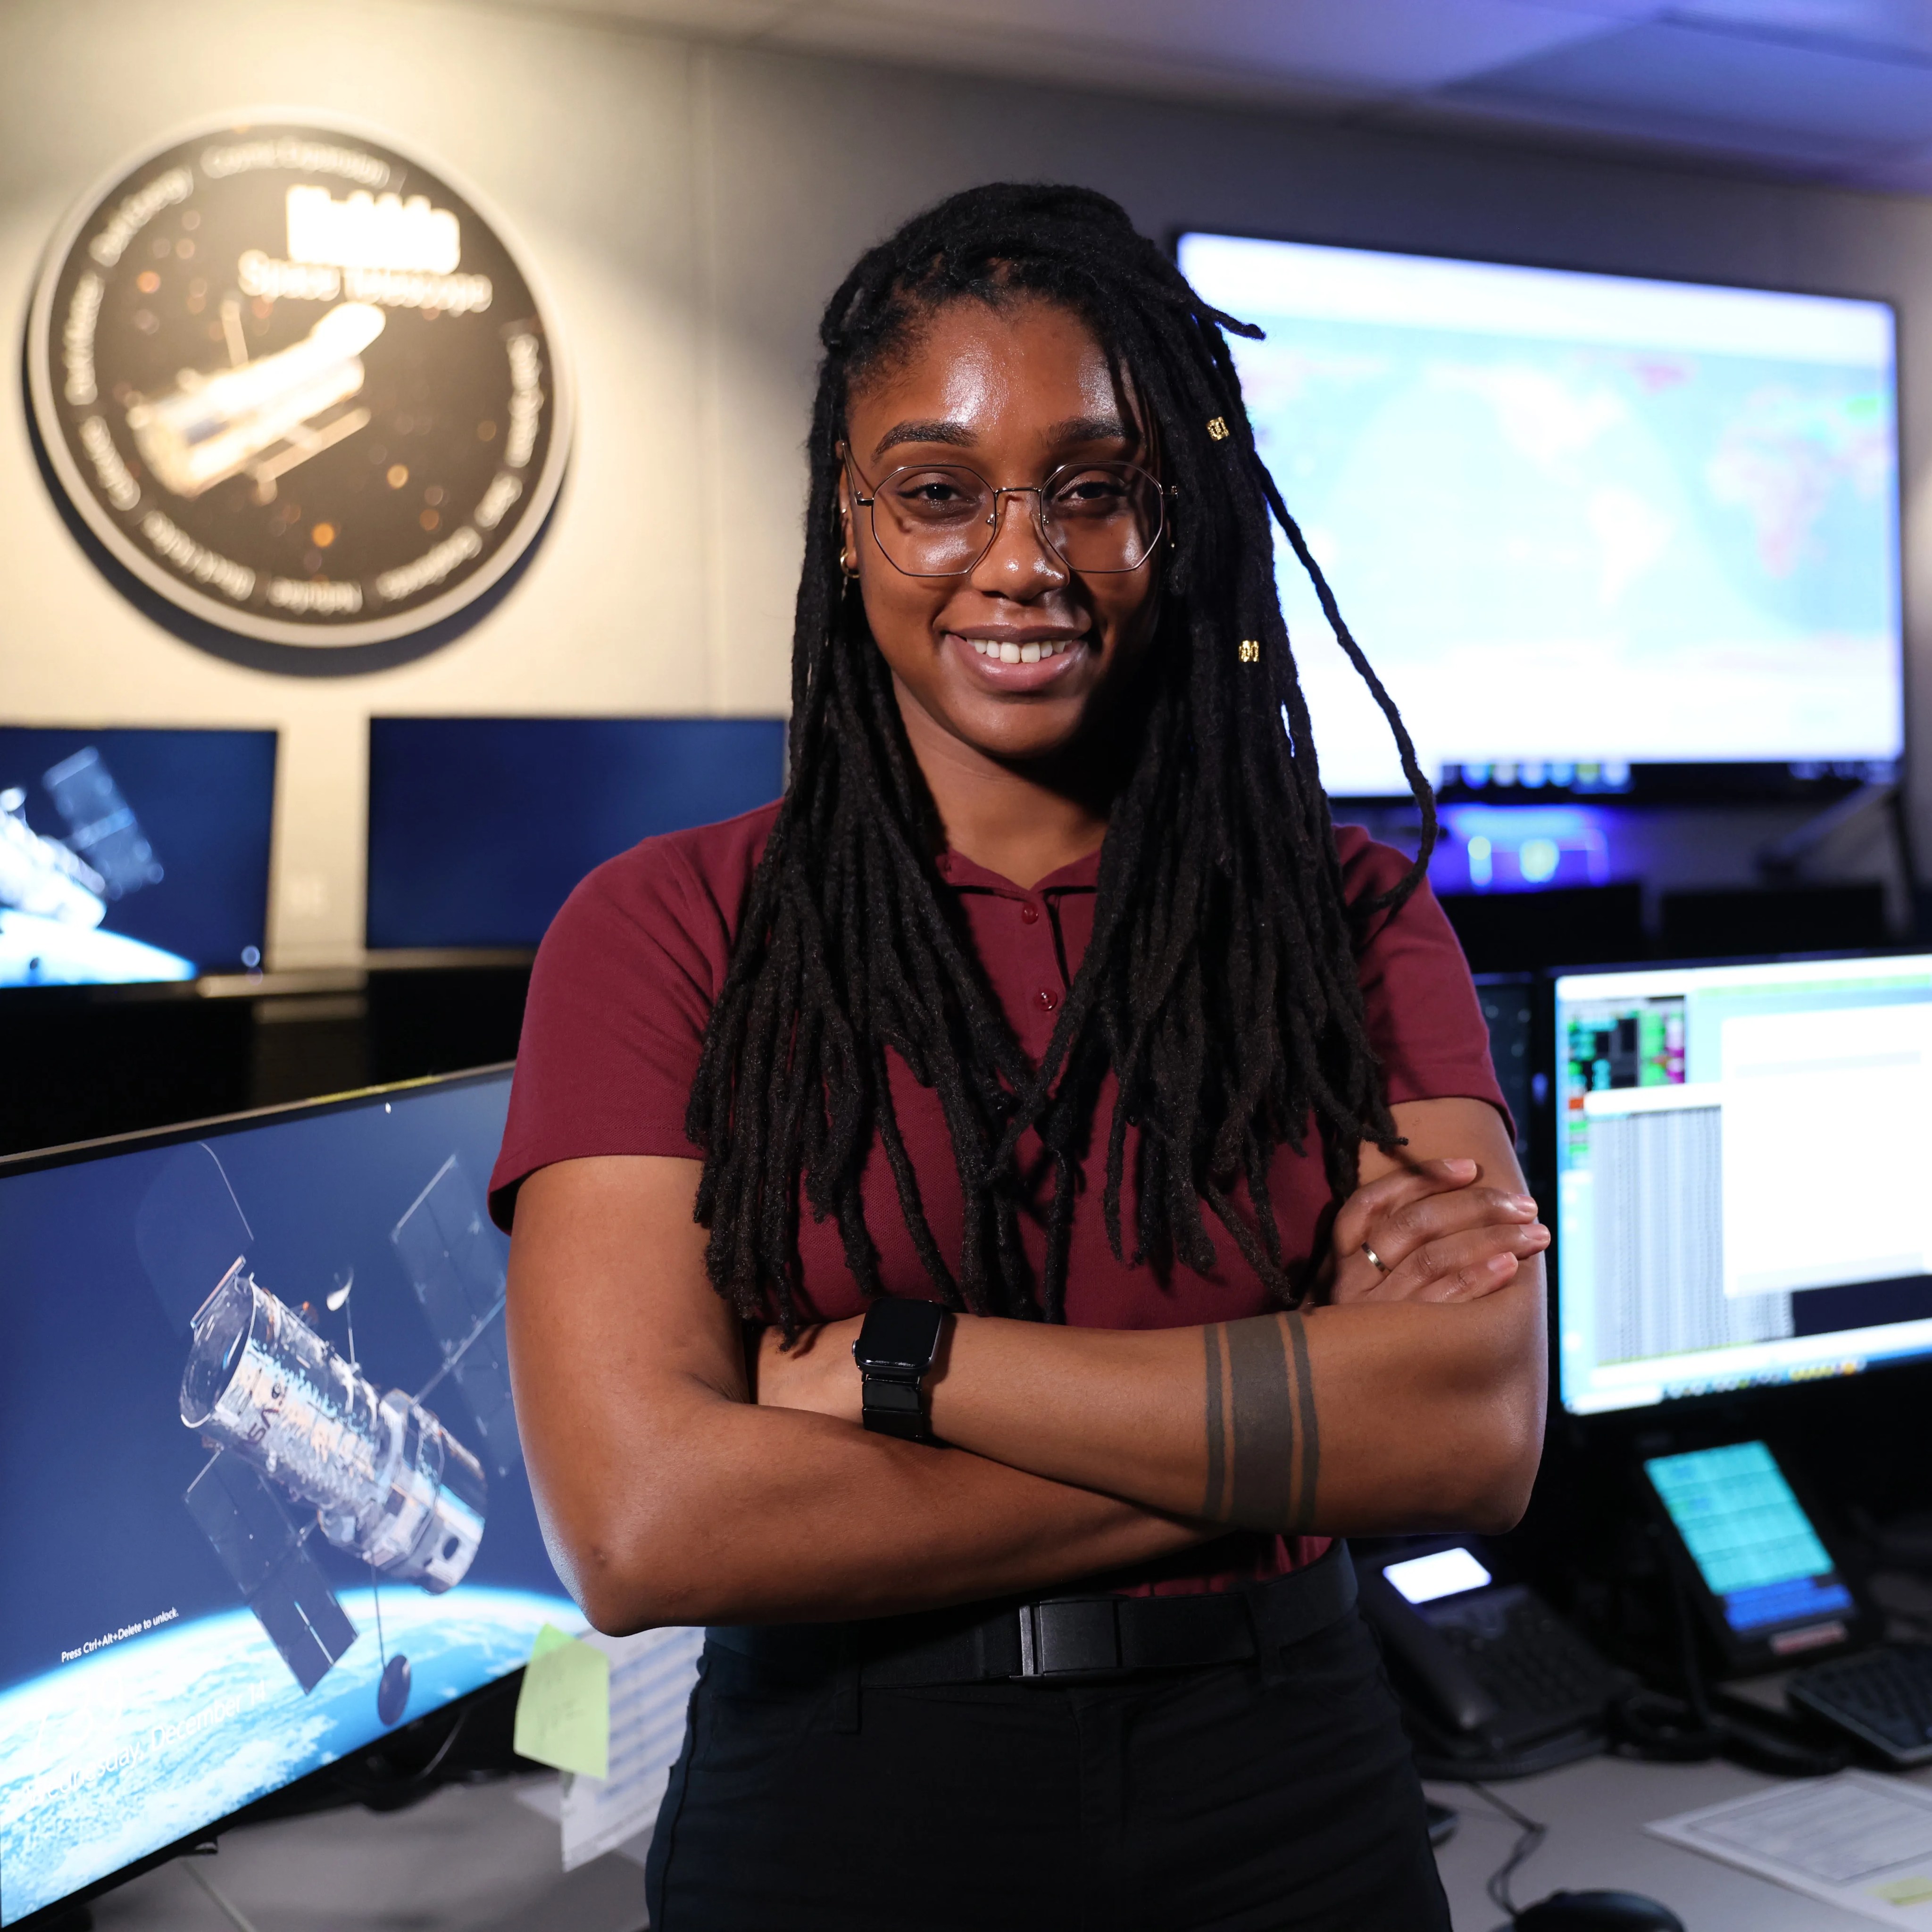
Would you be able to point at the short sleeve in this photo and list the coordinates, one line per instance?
(620, 996)
(1424, 1020)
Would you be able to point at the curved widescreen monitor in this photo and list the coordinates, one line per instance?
(1699, 1251)
(136, 853)
(261, 1492)
(1580, 523)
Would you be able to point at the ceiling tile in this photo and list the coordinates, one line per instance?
(1840, 88)
(1899, 26)
(1054, 62)
(1668, 77)
(1392, 45)
(1567, 125)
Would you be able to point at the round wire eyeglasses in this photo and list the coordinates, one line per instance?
(939, 519)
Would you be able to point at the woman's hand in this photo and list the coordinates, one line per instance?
(817, 1373)
(1437, 1235)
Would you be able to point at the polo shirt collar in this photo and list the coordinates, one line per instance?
(964, 875)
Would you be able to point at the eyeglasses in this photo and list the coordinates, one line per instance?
(939, 519)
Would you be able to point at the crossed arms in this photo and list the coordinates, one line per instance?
(678, 1482)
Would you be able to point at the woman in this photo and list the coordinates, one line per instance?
(1048, 1042)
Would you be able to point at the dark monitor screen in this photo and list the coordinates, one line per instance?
(479, 827)
(132, 854)
(1707, 1239)
(261, 1492)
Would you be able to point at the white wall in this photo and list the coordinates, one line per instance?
(692, 208)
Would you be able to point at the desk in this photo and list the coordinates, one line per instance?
(1596, 1812)
(469, 1859)
(475, 1859)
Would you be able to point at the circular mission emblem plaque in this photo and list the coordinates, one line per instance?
(298, 383)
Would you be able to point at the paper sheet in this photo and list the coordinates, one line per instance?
(651, 1677)
(563, 1710)
(1858, 1841)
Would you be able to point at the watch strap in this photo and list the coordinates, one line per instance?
(895, 1407)
(897, 1345)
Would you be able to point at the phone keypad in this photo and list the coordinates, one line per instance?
(1543, 1677)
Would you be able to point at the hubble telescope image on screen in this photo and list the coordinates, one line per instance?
(259, 1472)
(479, 827)
(132, 854)
(1579, 522)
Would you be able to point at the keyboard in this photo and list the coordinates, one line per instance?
(1882, 1697)
(1544, 1676)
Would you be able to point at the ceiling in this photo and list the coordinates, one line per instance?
(1838, 90)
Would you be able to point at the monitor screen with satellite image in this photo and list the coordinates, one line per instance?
(132, 854)
(261, 1489)
(1662, 516)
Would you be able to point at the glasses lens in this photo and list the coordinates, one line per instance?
(931, 520)
(1102, 516)
(936, 519)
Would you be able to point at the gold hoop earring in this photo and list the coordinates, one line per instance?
(848, 563)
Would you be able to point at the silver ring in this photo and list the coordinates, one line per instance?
(1382, 1266)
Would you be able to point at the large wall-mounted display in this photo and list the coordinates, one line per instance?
(298, 383)
(1579, 522)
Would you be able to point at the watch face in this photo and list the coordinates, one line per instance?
(899, 1335)
(297, 383)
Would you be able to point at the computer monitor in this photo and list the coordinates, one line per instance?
(1741, 1155)
(479, 827)
(261, 1492)
(1662, 516)
(132, 854)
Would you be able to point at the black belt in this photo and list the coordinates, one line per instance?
(1057, 1639)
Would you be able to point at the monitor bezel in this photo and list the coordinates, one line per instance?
(326, 1786)
(1768, 1400)
(1740, 781)
(71, 1152)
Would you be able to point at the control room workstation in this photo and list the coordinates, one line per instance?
(961, 982)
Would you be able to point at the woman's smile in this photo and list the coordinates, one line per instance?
(1018, 659)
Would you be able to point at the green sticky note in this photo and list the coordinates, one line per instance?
(549, 1638)
(1915, 1891)
(563, 1710)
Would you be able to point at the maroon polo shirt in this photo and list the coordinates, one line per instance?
(623, 988)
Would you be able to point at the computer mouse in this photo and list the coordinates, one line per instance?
(1597, 1911)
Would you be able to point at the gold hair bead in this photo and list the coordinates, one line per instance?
(1217, 427)
(1251, 651)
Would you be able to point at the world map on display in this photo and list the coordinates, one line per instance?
(1562, 549)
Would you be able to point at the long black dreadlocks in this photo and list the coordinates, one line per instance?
(1220, 984)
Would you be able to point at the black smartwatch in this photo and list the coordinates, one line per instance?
(894, 1352)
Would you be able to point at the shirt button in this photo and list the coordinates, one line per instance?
(1029, 913)
(1046, 999)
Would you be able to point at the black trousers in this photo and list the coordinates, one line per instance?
(1232, 1798)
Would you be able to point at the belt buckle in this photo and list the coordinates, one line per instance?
(1069, 1638)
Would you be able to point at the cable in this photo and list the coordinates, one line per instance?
(379, 1789)
(1759, 1745)
(1530, 1835)
(442, 1750)
(376, 1593)
(223, 1903)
